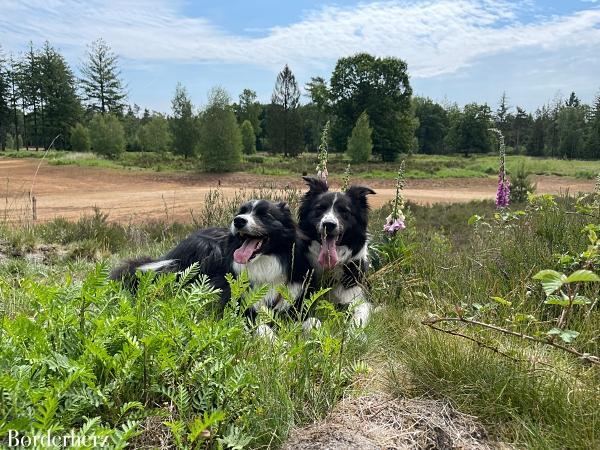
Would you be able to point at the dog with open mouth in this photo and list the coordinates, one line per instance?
(336, 244)
(262, 239)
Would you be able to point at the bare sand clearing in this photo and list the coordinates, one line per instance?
(70, 191)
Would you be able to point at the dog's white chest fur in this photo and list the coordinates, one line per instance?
(263, 269)
(266, 270)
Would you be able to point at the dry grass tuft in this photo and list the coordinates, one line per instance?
(380, 421)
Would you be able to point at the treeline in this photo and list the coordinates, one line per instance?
(368, 102)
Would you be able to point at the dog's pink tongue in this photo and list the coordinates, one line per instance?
(245, 252)
(328, 257)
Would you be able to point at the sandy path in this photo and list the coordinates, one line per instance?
(70, 191)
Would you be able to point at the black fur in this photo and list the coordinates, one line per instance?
(349, 214)
(351, 206)
(213, 248)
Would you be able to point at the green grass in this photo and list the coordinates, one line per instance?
(74, 346)
(417, 167)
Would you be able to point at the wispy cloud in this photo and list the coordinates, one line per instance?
(435, 37)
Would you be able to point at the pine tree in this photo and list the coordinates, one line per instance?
(284, 122)
(360, 144)
(60, 105)
(249, 109)
(13, 93)
(102, 86)
(248, 138)
(592, 142)
(80, 138)
(220, 139)
(9, 142)
(107, 136)
(4, 100)
(183, 124)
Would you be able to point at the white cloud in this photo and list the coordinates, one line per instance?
(435, 37)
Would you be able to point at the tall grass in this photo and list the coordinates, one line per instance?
(74, 347)
(527, 393)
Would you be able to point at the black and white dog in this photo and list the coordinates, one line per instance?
(262, 240)
(336, 244)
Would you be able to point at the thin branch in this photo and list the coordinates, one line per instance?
(430, 321)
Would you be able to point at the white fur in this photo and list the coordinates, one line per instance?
(311, 323)
(343, 296)
(157, 266)
(265, 332)
(329, 216)
(266, 269)
(362, 314)
(250, 227)
(355, 297)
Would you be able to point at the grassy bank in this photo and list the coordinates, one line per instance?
(417, 166)
(76, 351)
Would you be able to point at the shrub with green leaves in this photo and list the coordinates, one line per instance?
(80, 138)
(89, 356)
(155, 136)
(107, 136)
(248, 138)
(360, 144)
(220, 138)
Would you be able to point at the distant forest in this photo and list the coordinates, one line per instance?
(42, 100)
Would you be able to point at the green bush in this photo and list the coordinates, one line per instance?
(520, 185)
(97, 359)
(107, 136)
(155, 135)
(220, 138)
(80, 138)
(360, 145)
(248, 138)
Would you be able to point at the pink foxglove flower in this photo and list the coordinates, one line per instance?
(322, 171)
(395, 221)
(394, 225)
(503, 192)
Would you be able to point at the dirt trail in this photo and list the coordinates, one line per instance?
(70, 191)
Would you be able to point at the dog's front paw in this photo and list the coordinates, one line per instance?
(362, 314)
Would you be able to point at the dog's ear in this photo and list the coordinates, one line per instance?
(315, 185)
(359, 192)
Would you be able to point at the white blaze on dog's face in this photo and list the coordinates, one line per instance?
(261, 226)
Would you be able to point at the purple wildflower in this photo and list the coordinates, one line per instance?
(395, 221)
(393, 225)
(503, 193)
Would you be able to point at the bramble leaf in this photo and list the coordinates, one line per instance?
(557, 300)
(551, 280)
(582, 276)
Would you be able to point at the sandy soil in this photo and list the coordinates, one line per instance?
(70, 191)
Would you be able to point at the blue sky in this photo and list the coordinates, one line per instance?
(456, 50)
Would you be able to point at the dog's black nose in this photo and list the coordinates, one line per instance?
(239, 222)
(329, 227)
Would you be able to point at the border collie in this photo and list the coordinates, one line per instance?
(262, 240)
(335, 224)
